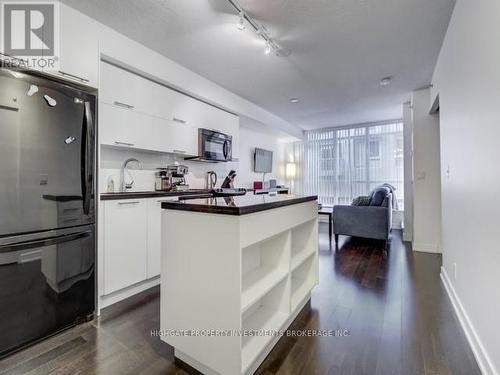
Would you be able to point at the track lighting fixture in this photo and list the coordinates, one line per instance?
(260, 31)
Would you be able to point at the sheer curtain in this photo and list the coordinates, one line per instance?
(339, 164)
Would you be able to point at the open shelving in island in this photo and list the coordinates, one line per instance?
(250, 286)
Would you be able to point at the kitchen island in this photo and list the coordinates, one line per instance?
(236, 271)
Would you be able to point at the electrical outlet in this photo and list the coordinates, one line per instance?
(44, 179)
(455, 271)
(421, 175)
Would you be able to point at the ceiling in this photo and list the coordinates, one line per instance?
(340, 50)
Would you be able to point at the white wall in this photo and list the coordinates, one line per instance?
(250, 138)
(427, 175)
(467, 78)
(408, 171)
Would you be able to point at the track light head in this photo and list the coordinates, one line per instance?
(241, 22)
(268, 49)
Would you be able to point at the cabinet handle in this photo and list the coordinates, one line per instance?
(124, 143)
(179, 120)
(128, 203)
(124, 105)
(70, 209)
(73, 76)
(179, 152)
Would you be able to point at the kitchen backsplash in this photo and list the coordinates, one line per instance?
(144, 179)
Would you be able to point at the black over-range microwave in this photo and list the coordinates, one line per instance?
(214, 146)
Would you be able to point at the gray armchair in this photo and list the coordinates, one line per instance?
(369, 221)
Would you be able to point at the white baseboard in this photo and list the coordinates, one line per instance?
(483, 360)
(407, 235)
(110, 299)
(426, 247)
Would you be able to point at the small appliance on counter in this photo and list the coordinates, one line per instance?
(163, 180)
(257, 185)
(211, 180)
(178, 174)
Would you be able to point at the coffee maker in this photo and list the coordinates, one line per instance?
(163, 180)
(178, 174)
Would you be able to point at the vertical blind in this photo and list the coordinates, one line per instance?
(339, 164)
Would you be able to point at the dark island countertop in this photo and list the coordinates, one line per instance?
(237, 205)
(62, 198)
(151, 194)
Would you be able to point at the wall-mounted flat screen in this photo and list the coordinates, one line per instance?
(263, 161)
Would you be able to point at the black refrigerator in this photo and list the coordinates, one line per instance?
(47, 207)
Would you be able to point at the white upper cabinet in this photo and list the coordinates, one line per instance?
(137, 112)
(174, 137)
(125, 89)
(164, 102)
(124, 127)
(79, 48)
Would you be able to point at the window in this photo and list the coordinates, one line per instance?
(359, 153)
(374, 147)
(341, 164)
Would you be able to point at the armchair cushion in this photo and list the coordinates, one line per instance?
(379, 195)
(361, 201)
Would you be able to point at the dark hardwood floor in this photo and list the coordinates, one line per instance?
(394, 307)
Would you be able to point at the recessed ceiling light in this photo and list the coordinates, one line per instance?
(385, 81)
(294, 100)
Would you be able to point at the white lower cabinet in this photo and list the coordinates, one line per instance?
(132, 241)
(125, 243)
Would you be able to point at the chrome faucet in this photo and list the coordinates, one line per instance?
(124, 186)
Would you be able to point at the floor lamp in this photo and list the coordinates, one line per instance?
(290, 172)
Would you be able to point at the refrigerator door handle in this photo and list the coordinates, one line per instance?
(87, 158)
(45, 242)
